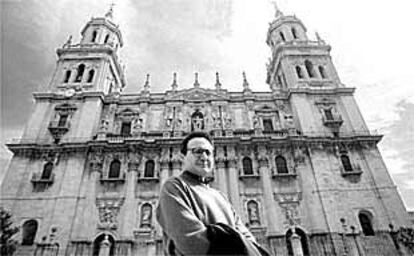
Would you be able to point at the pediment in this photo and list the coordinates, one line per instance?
(197, 94)
(127, 112)
(265, 108)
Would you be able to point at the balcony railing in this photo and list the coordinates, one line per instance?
(120, 179)
(334, 121)
(57, 125)
(37, 178)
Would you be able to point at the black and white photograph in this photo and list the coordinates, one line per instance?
(206, 127)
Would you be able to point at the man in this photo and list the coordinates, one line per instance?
(189, 209)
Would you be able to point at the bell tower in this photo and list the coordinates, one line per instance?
(297, 61)
(92, 65)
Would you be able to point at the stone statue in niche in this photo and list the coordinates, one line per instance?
(137, 123)
(178, 122)
(289, 121)
(215, 116)
(253, 212)
(227, 120)
(104, 125)
(169, 117)
(107, 216)
(197, 121)
(146, 215)
(256, 122)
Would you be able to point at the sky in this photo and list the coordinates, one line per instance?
(372, 50)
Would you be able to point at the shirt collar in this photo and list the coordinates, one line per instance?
(204, 180)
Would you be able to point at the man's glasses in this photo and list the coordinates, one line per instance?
(200, 151)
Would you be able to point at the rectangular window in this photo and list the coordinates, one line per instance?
(267, 125)
(328, 114)
(126, 128)
(62, 120)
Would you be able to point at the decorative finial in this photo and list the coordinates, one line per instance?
(110, 12)
(174, 84)
(218, 84)
(318, 38)
(147, 84)
(277, 10)
(245, 83)
(68, 42)
(196, 83)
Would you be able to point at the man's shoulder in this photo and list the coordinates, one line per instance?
(173, 182)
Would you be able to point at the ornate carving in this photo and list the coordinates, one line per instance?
(134, 160)
(291, 214)
(220, 155)
(253, 213)
(262, 155)
(96, 160)
(256, 122)
(299, 154)
(108, 209)
(165, 156)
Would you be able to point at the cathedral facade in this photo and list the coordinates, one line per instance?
(297, 162)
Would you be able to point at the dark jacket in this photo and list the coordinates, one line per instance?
(224, 240)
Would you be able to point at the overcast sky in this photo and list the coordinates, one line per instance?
(372, 49)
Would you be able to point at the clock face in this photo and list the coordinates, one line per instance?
(69, 92)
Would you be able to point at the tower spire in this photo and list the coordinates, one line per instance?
(278, 12)
(174, 85)
(196, 83)
(218, 84)
(110, 12)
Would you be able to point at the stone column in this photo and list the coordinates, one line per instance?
(233, 189)
(129, 210)
(176, 161)
(269, 201)
(88, 210)
(163, 172)
(164, 162)
(220, 171)
(105, 247)
(176, 168)
(220, 176)
(296, 244)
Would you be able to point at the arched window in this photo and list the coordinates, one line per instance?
(67, 76)
(146, 215)
(322, 71)
(106, 39)
(253, 212)
(102, 242)
(247, 166)
(47, 171)
(29, 232)
(94, 35)
(114, 169)
(197, 121)
(281, 165)
(346, 163)
(282, 36)
(149, 169)
(309, 68)
(365, 219)
(90, 76)
(303, 240)
(295, 36)
(299, 72)
(79, 74)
